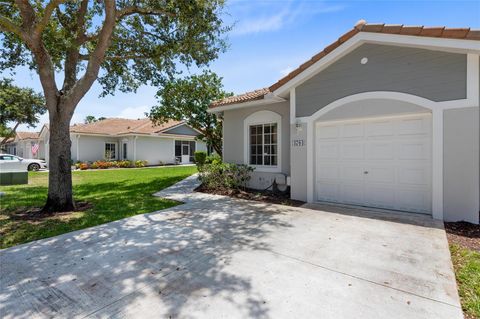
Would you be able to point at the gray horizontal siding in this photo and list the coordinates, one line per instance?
(182, 130)
(438, 76)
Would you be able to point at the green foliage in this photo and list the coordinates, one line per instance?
(214, 159)
(92, 119)
(221, 176)
(187, 99)
(140, 163)
(113, 194)
(467, 271)
(18, 106)
(200, 158)
(150, 39)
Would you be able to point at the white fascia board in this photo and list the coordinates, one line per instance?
(430, 43)
(269, 99)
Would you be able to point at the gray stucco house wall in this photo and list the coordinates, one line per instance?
(425, 92)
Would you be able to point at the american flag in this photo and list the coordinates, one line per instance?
(35, 148)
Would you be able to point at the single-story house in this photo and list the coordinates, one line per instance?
(125, 139)
(26, 144)
(386, 116)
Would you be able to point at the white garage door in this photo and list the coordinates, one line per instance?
(383, 162)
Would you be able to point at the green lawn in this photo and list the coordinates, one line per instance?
(467, 270)
(114, 194)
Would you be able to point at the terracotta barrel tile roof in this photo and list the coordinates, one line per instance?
(27, 135)
(360, 26)
(248, 96)
(116, 126)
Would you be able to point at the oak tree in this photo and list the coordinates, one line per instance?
(122, 44)
(18, 105)
(187, 99)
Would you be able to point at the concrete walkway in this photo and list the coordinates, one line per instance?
(214, 257)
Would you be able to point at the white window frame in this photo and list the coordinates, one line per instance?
(105, 151)
(262, 118)
(124, 151)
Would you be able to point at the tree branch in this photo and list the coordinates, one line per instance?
(97, 56)
(47, 15)
(126, 56)
(6, 138)
(127, 11)
(8, 26)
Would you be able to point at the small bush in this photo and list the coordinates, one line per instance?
(218, 175)
(213, 159)
(140, 163)
(124, 164)
(83, 166)
(200, 157)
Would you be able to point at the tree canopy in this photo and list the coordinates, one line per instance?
(187, 99)
(122, 44)
(18, 105)
(92, 119)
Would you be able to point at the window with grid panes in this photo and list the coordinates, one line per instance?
(263, 144)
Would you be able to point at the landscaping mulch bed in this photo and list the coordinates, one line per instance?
(464, 234)
(255, 195)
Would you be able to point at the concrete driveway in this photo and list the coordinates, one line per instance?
(214, 257)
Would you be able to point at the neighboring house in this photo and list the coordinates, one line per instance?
(26, 145)
(387, 116)
(125, 139)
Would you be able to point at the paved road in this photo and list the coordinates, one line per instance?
(214, 257)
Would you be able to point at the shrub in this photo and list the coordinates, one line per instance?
(218, 175)
(83, 166)
(213, 159)
(200, 157)
(140, 163)
(124, 164)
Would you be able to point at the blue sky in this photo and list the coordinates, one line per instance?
(272, 37)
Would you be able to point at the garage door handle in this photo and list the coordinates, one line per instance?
(365, 172)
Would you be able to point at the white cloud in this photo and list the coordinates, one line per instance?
(259, 17)
(286, 71)
(134, 112)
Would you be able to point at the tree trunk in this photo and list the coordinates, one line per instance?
(60, 194)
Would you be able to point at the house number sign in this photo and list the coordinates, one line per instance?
(298, 143)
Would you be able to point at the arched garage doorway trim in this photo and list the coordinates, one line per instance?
(436, 108)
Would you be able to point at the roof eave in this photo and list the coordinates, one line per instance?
(268, 99)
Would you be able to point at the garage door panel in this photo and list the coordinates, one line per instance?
(352, 193)
(381, 196)
(414, 200)
(327, 150)
(328, 191)
(328, 172)
(379, 128)
(382, 163)
(380, 150)
(328, 132)
(414, 176)
(378, 174)
(415, 126)
(353, 151)
(351, 173)
(414, 150)
(353, 130)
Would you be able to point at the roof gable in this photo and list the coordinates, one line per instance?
(360, 27)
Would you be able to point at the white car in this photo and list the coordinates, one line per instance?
(10, 162)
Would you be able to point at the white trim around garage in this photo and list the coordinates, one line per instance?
(436, 108)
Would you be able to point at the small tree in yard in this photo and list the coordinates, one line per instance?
(122, 44)
(18, 106)
(188, 100)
